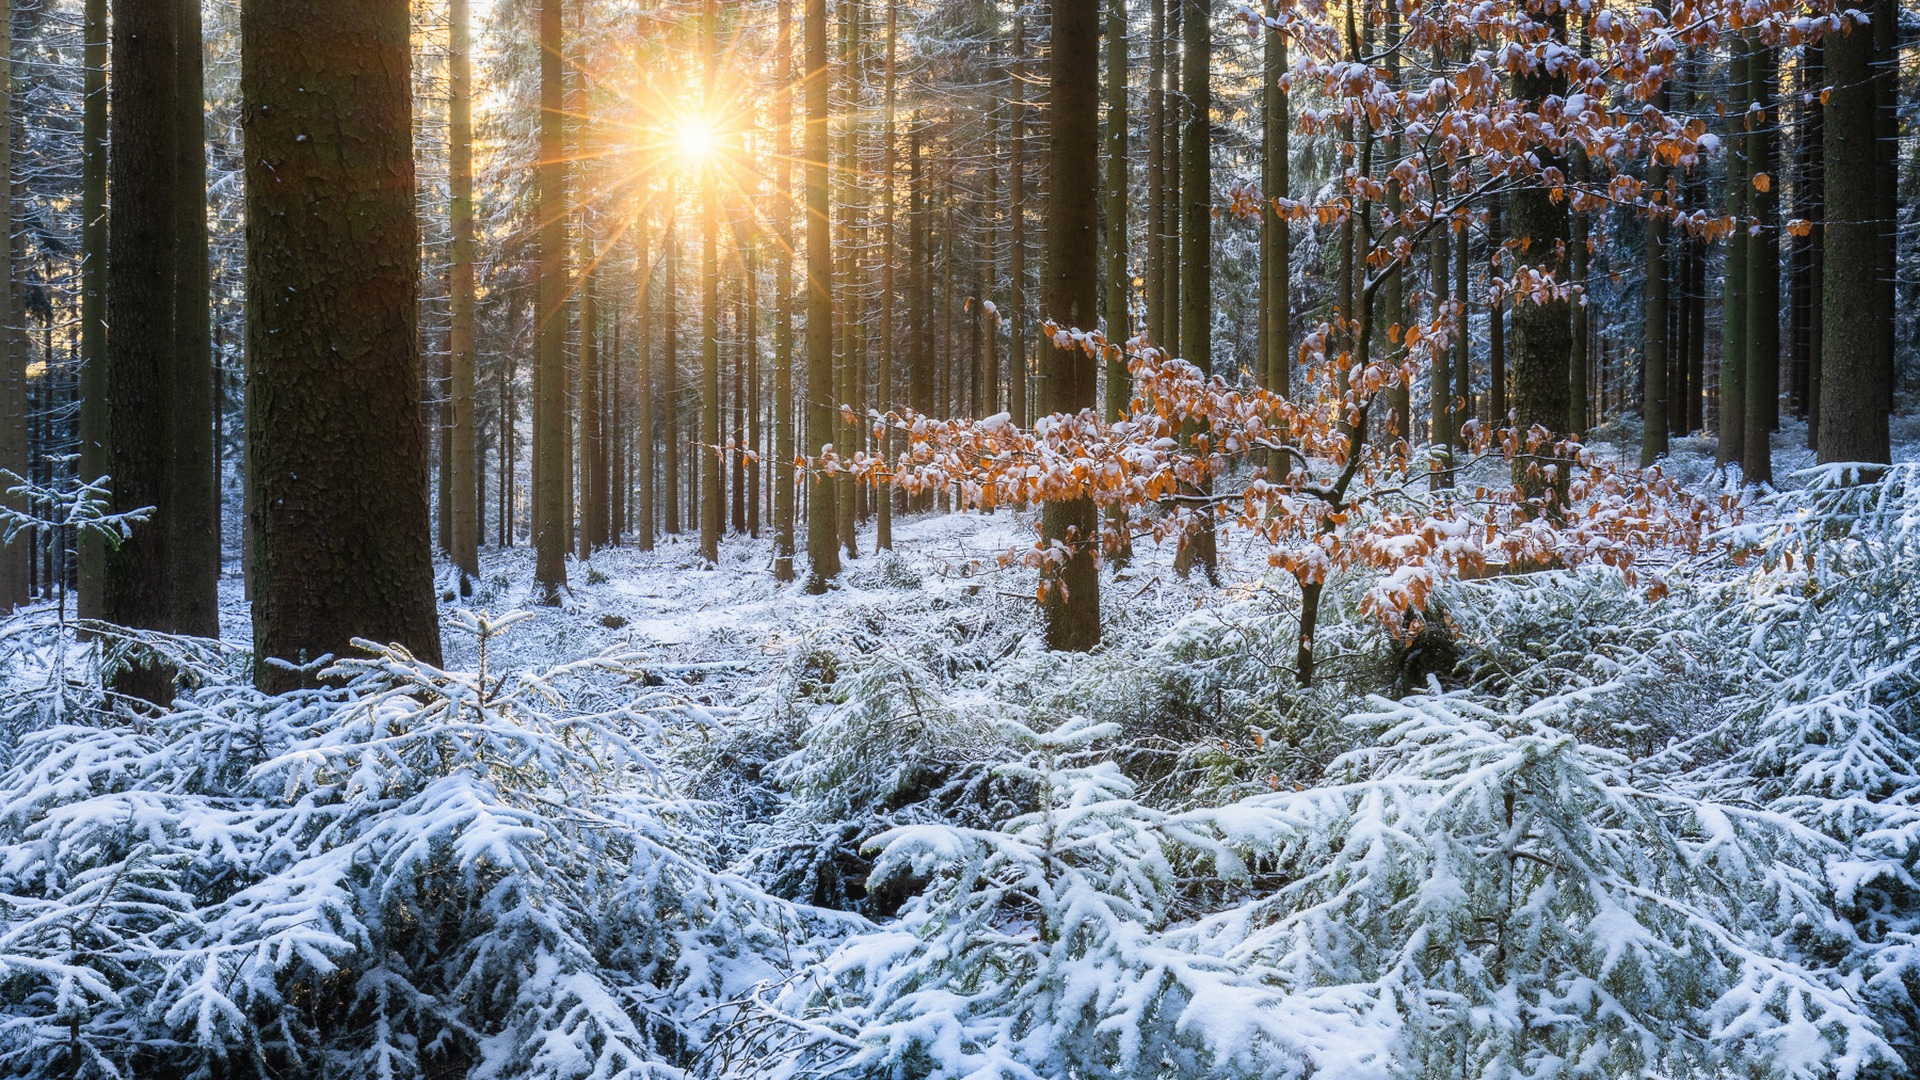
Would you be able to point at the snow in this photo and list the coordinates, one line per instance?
(697, 822)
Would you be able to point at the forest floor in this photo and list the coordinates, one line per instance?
(669, 607)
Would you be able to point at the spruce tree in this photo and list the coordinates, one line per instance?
(338, 447)
(1072, 589)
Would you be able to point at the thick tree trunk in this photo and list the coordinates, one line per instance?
(1440, 383)
(1542, 331)
(141, 359)
(339, 450)
(193, 483)
(1071, 605)
(1853, 377)
(93, 294)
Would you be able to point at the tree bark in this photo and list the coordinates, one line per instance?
(552, 527)
(1276, 233)
(461, 472)
(1733, 307)
(1853, 377)
(823, 549)
(1763, 272)
(1071, 605)
(93, 294)
(339, 449)
(142, 361)
(784, 478)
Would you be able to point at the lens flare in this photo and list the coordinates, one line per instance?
(696, 141)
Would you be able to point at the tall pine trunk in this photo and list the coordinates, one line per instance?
(784, 478)
(711, 505)
(1276, 233)
(141, 359)
(1733, 307)
(823, 549)
(1071, 605)
(93, 293)
(1763, 272)
(1853, 376)
(461, 472)
(551, 524)
(339, 449)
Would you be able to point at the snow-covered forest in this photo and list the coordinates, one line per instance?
(960, 539)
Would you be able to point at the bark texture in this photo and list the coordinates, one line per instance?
(339, 451)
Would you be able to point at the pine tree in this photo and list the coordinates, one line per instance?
(462, 475)
(551, 523)
(1119, 319)
(338, 447)
(1276, 232)
(1072, 590)
(710, 461)
(1762, 413)
(141, 358)
(1853, 378)
(784, 478)
(93, 295)
(823, 548)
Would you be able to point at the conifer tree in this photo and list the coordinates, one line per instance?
(338, 446)
(1072, 594)
(552, 527)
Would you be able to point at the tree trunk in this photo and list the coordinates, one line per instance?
(1656, 381)
(1156, 173)
(712, 505)
(1071, 605)
(823, 549)
(1440, 383)
(551, 525)
(1763, 272)
(1542, 331)
(461, 472)
(339, 450)
(593, 506)
(670, 380)
(783, 475)
(1119, 319)
(93, 295)
(1853, 378)
(1733, 308)
(645, 525)
(1276, 233)
(141, 359)
(1017, 375)
(883, 528)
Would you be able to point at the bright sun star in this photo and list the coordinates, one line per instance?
(695, 140)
